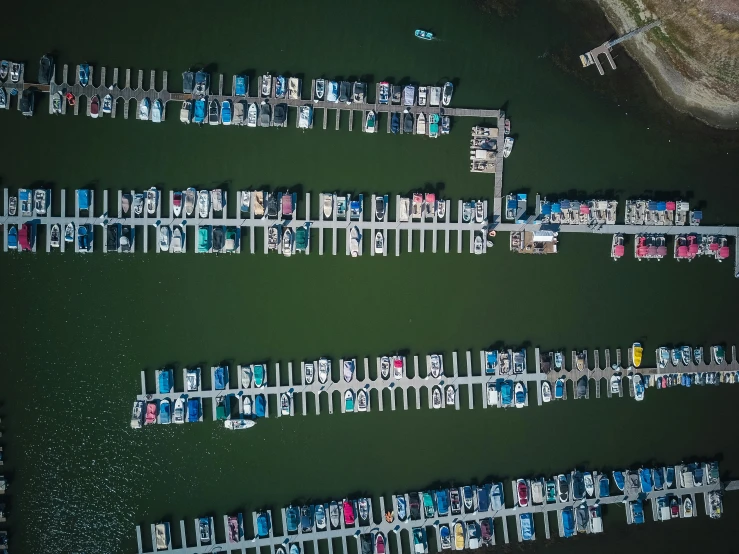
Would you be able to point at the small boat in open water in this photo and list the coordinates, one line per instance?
(424, 35)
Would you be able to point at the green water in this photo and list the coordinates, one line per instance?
(77, 330)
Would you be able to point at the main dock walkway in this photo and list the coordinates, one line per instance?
(248, 539)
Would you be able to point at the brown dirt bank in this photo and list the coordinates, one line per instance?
(692, 59)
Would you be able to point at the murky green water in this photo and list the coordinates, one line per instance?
(77, 330)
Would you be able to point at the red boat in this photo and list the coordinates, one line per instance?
(95, 106)
(379, 544)
(25, 237)
(348, 513)
(70, 99)
(151, 413)
(523, 493)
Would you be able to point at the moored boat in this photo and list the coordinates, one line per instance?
(369, 124)
(507, 146)
(226, 112)
(186, 112)
(324, 368)
(213, 112)
(436, 397)
(144, 109)
(636, 354)
(451, 395)
(349, 400)
(522, 492)
(348, 370)
(520, 395)
(546, 392)
(448, 90)
(320, 90)
(379, 242)
(362, 400)
(354, 241)
(95, 107)
(165, 236)
(718, 354)
(156, 111)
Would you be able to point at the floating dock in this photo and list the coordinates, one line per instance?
(272, 540)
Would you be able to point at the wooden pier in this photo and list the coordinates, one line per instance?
(395, 529)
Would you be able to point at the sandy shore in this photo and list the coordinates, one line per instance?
(699, 94)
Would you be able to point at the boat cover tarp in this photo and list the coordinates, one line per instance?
(659, 477)
(442, 502)
(670, 205)
(221, 378)
(618, 477)
(568, 521)
(263, 524)
(199, 115)
(661, 206)
(240, 86)
(165, 384)
(604, 486)
(565, 204)
(506, 392)
(511, 204)
(697, 214)
(259, 405)
(521, 196)
(483, 498)
(645, 477)
(84, 199)
(193, 409)
(546, 209)
(556, 208)
(637, 511)
(187, 80)
(527, 527)
(652, 206)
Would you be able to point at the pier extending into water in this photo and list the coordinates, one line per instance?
(250, 541)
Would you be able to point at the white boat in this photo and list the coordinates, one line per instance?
(507, 146)
(266, 85)
(537, 492)
(638, 387)
(519, 393)
(252, 115)
(12, 205)
(379, 242)
(203, 203)
(245, 201)
(190, 201)
(441, 209)
(349, 366)
(324, 369)
(478, 244)
(328, 205)
(177, 203)
(385, 367)
(69, 232)
(216, 196)
(398, 365)
(446, 98)
(362, 400)
(137, 415)
(247, 406)
(436, 397)
(285, 403)
(152, 200)
(246, 376)
(320, 90)
(165, 237)
(492, 394)
(236, 424)
(144, 109)
(40, 200)
(409, 95)
(305, 116)
(287, 242)
(156, 111)
(422, 96)
(421, 124)
(15, 72)
(546, 392)
(436, 366)
(309, 370)
(177, 241)
(589, 484)
(186, 112)
(56, 232)
(405, 209)
(479, 211)
(354, 241)
(107, 104)
(273, 237)
(333, 92)
(178, 414)
(451, 395)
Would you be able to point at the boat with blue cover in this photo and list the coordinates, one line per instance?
(280, 88)
(446, 536)
(619, 479)
(165, 381)
(491, 362)
(402, 508)
(263, 524)
(84, 74)
(240, 88)
(442, 502)
(193, 410)
(670, 478)
(226, 112)
(658, 474)
(395, 123)
(483, 498)
(260, 375)
(424, 35)
(506, 394)
(527, 526)
(604, 486)
(260, 405)
(559, 389)
(645, 480)
(568, 522)
(83, 238)
(221, 378)
(199, 114)
(637, 511)
(165, 411)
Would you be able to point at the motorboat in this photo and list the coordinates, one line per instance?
(263, 524)
(715, 505)
(237, 424)
(292, 519)
(334, 514)
(266, 85)
(455, 501)
(4, 69)
(349, 399)
(345, 89)
(95, 107)
(204, 527)
(469, 500)
(144, 109)
(4, 101)
(213, 112)
(40, 201)
(328, 205)
(558, 360)
(320, 90)
(563, 487)
(379, 242)
(252, 114)
(698, 355)
(492, 394)
(568, 521)
(520, 394)
(407, 122)
(674, 507)
(409, 95)
(507, 146)
(69, 232)
(507, 127)
(385, 367)
(369, 123)
(448, 90)
(522, 491)
(265, 114)
(332, 94)
(156, 111)
(436, 366)
(398, 366)
(619, 479)
(151, 413)
(320, 515)
(247, 406)
(636, 511)
(178, 414)
(718, 354)
(421, 124)
(687, 506)
(467, 211)
(582, 518)
(402, 508)
(362, 400)
(259, 375)
(137, 415)
(658, 474)
(165, 237)
(226, 118)
(246, 376)
(420, 542)
(395, 123)
(663, 357)
(203, 203)
(479, 211)
(309, 371)
(451, 394)
(363, 510)
(578, 485)
(12, 204)
(186, 112)
(84, 238)
(537, 491)
(83, 74)
(348, 370)
(422, 95)
(478, 247)
(152, 200)
(273, 237)
(190, 202)
(645, 480)
(604, 486)
(638, 387)
(163, 539)
(305, 117)
(287, 242)
(636, 354)
(56, 232)
(589, 484)
(199, 111)
(551, 491)
(306, 519)
(546, 392)
(354, 241)
(348, 509)
(675, 356)
(324, 368)
(459, 536)
(685, 355)
(446, 124)
(441, 209)
(436, 397)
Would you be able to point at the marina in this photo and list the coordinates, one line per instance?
(502, 379)
(459, 518)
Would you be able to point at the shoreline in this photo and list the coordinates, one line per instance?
(695, 98)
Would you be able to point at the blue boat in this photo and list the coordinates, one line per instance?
(497, 496)
(506, 393)
(193, 410)
(292, 515)
(240, 88)
(200, 111)
(263, 524)
(445, 534)
(698, 474)
(637, 512)
(568, 521)
(165, 381)
(659, 478)
(645, 477)
(395, 123)
(527, 526)
(559, 389)
(13, 238)
(306, 518)
(221, 378)
(83, 199)
(424, 35)
(260, 375)
(260, 405)
(280, 86)
(165, 411)
(483, 498)
(83, 239)
(442, 502)
(84, 74)
(604, 486)
(226, 112)
(670, 479)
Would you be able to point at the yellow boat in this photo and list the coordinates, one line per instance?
(636, 352)
(459, 536)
